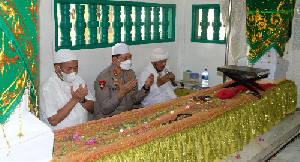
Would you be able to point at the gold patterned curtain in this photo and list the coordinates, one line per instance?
(18, 54)
(268, 24)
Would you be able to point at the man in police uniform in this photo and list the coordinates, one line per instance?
(116, 87)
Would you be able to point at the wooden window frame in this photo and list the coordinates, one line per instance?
(167, 24)
(204, 23)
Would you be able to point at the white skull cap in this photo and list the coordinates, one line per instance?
(64, 55)
(120, 48)
(158, 54)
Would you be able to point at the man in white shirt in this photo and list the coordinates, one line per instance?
(65, 99)
(162, 89)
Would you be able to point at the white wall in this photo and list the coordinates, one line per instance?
(183, 54)
(199, 56)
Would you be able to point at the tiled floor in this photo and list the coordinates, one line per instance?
(270, 142)
(290, 154)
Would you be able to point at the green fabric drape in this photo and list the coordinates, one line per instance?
(18, 54)
(268, 24)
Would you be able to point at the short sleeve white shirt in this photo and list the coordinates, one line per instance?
(55, 94)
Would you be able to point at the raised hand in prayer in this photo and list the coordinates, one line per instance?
(80, 93)
(161, 80)
(149, 81)
(125, 88)
(171, 75)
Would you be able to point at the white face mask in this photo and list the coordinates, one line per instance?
(125, 65)
(68, 77)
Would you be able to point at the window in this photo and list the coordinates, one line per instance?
(86, 24)
(206, 24)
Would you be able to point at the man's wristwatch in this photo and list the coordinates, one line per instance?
(146, 89)
(83, 101)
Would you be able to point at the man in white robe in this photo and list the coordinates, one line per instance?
(162, 89)
(65, 98)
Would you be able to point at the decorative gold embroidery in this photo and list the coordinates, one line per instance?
(33, 8)
(4, 58)
(268, 25)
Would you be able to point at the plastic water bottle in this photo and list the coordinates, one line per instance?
(205, 78)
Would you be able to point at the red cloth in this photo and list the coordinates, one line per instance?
(240, 88)
(226, 93)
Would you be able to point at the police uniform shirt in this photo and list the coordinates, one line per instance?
(106, 88)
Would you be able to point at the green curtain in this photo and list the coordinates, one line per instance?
(18, 54)
(268, 24)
